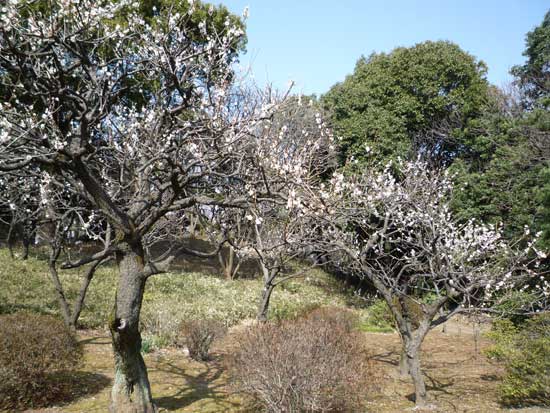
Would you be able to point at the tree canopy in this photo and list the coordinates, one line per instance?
(534, 75)
(508, 180)
(389, 103)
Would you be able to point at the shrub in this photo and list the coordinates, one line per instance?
(339, 318)
(33, 347)
(199, 335)
(378, 318)
(527, 361)
(503, 334)
(314, 364)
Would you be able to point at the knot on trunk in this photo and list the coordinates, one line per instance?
(121, 324)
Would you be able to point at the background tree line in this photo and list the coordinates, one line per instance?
(433, 100)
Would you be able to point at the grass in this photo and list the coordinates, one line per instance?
(180, 384)
(169, 298)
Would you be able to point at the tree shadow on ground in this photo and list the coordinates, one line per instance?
(204, 385)
(97, 340)
(390, 357)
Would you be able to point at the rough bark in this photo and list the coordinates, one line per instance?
(415, 371)
(411, 339)
(131, 392)
(403, 364)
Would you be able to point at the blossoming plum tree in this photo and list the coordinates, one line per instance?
(142, 115)
(395, 229)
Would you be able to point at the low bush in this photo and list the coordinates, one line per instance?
(526, 355)
(503, 335)
(377, 318)
(32, 349)
(336, 317)
(315, 363)
(198, 336)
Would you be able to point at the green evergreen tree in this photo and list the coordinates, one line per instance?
(392, 102)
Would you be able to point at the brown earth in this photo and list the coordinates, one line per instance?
(458, 376)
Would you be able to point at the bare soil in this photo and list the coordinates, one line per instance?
(459, 377)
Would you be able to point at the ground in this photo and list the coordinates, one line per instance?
(459, 377)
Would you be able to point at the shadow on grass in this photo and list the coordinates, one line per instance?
(14, 308)
(56, 389)
(195, 387)
(97, 340)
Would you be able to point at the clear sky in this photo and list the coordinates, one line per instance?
(317, 42)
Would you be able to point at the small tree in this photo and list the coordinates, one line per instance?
(275, 230)
(395, 229)
(54, 214)
(20, 197)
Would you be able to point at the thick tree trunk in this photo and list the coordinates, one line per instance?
(131, 392)
(413, 359)
(264, 302)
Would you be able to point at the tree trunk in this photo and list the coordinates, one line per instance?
(61, 299)
(9, 240)
(264, 303)
(131, 392)
(79, 303)
(26, 244)
(229, 267)
(413, 359)
(403, 364)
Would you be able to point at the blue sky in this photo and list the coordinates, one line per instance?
(316, 43)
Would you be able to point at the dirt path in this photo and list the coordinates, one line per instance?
(459, 377)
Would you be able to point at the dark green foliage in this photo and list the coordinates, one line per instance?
(525, 351)
(507, 182)
(391, 100)
(508, 179)
(534, 75)
(33, 348)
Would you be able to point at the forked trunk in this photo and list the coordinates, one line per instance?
(230, 265)
(131, 392)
